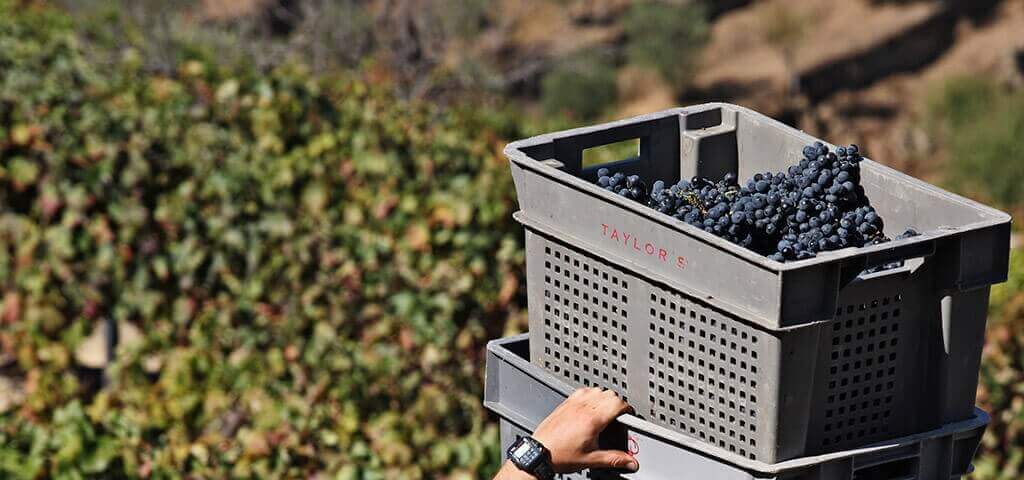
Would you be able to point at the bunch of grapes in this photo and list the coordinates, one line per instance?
(630, 187)
(817, 205)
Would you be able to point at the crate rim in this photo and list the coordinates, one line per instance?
(959, 429)
(515, 154)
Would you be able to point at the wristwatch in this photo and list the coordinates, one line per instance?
(531, 457)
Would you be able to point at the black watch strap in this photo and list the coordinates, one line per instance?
(544, 470)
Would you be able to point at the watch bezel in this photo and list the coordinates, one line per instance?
(538, 454)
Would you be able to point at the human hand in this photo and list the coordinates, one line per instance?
(570, 432)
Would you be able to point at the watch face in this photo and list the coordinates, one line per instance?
(525, 454)
(521, 450)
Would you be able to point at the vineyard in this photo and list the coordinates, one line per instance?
(314, 265)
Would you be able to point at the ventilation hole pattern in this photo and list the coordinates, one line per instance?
(703, 375)
(862, 371)
(584, 320)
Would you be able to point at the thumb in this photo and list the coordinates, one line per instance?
(612, 459)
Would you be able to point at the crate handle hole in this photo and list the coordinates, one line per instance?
(904, 468)
(611, 153)
(704, 119)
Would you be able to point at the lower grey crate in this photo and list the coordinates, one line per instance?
(522, 394)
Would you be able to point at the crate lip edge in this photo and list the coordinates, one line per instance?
(496, 349)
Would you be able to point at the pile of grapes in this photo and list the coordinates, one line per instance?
(818, 205)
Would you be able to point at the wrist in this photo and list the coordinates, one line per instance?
(509, 471)
(553, 454)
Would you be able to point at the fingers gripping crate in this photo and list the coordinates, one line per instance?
(522, 395)
(766, 360)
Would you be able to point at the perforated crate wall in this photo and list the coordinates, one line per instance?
(585, 320)
(873, 372)
(863, 368)
(874, 364)
(700, 367)
(703, 373)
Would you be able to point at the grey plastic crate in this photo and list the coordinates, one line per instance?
(522, 394)
(768, 360)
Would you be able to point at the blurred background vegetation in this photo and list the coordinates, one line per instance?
(297, 215)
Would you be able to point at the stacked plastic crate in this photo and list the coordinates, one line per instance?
(734, 362)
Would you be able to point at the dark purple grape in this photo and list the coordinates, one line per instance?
(815, 205)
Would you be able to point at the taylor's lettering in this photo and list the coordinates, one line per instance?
(645, 247)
